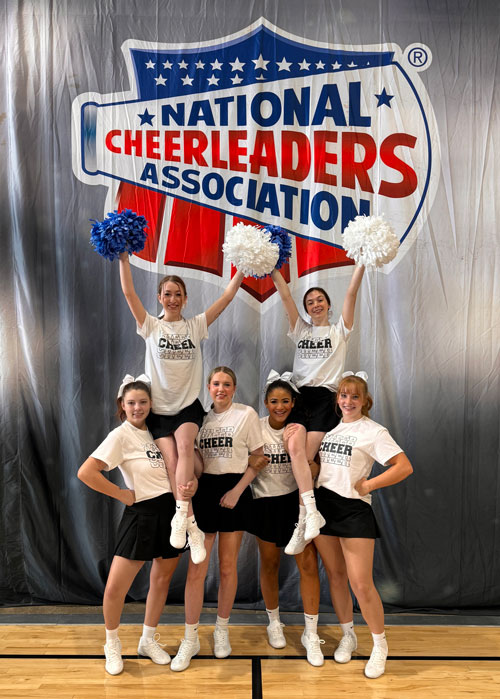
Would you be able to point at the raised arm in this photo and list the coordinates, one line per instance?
(223, 301)
(286, 297)
(134, 302)
(90, 473)
(398, 469)
(350, 296)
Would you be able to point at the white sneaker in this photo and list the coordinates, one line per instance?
(297, 543)
(178, 530)
(314, 522)
(312, 643)
(195, 541)
(345, 649)
(151, 648)
(376, 665)
(275, 634)
(222, 647)
(187, 650)
(113, 653)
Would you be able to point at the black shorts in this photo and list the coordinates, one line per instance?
(144, 530)
(347, 517)
(210, 516)
(164, 425)
(273, 519)
(315, 409)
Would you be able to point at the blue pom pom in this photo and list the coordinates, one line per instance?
(282, 239)
(117, 233)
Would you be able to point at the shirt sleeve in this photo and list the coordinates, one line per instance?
(300, 325)
(340, 328)
(147, 327)
(200, 327)
(110, 451)
(254, 432)
(384, 447)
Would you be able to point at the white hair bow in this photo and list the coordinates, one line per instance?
(361, 374)
(286, 376)
(128, 378)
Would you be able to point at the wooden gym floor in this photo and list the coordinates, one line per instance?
(66, 661)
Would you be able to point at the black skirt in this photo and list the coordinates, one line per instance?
(273, 519)
(209, 514)
(346, 517)
(144, 530)
(164, 425)
(315, 409)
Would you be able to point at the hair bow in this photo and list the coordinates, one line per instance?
(360, 374)
(128, 378)
(286, 376)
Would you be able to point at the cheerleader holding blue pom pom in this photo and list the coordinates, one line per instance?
(174, 362)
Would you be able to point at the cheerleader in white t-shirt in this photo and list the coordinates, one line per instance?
(144, 530)
(274, 512)
(347, 540)
(174, 362)
(318, 364)
(230, 433)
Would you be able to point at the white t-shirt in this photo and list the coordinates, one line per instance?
(319, 353)
(226, 439)
(173, 361)
(138, 458)
(348, 452)
(277, 477)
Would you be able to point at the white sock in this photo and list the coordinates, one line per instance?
(191, 523)
(191, 631)
(302, 512)
(222, 623)
(379, 639)
(148, 632)
(348, 628)
(309, 501)
(112, 634)
(181, 506)
(273, 614)
(311, 623)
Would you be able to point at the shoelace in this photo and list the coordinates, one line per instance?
(114, 652)
(156, 640)
(345, 643)
(179, 524)
(378, 655)
(184, 648)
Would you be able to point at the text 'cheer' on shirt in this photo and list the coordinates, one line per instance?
(348, 452)
(138, 458)
(226, 439)
(277, 477)
(320, 353)
(174, 361)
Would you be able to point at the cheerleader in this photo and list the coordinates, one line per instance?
(318, 363)
(274, 511)
(347, 540)
(230, 432)
(143, 534)
(174, 362)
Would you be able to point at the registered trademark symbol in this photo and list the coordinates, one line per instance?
(418, 56)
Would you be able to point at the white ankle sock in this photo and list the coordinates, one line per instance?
(348, 628)
(309, 501)
(181, 506)
(311, 623)
(222, 623)
(191, 631)
(111, 634)
(273, 614)
(302, 512)
(379, 639)
(148, 632)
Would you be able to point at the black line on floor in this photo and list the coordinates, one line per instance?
(254, 658)
(256, 679)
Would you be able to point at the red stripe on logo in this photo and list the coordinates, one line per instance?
(313, 256)
(146, 203)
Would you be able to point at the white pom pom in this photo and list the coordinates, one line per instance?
(370, 241)
(250, 250)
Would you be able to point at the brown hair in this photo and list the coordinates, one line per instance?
(224, 370)
(172, 278)
(132, 386)
(321, 291)
(361, 387)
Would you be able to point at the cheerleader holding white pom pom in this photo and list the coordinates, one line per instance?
(230, 433)
(144, 530)
(174, 362)
(318, 364)
(274, 513)
(347, 540)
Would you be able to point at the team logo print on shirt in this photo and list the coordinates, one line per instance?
(154, 455)
(175, 346)
(314, 347)
(338, 452)
(217, 442)
(279, 460)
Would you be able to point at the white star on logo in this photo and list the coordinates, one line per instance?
(200, 65)
(160, 80)
(183, 65)
(167, 64)
(213, 80)
(236, 65)
(283, 64)
(187, 80)
(260, 62)
(320, 65)
(352, 65)
(304, 65)
(236, 80)
(150, 64)
(336, 65)
(260, 77)
(216, 65)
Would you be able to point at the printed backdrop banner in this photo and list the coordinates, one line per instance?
(198, 116)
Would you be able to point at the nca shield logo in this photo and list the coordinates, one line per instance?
(262, 127)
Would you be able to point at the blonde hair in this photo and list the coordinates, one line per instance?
(224, 370)
(361, 387)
